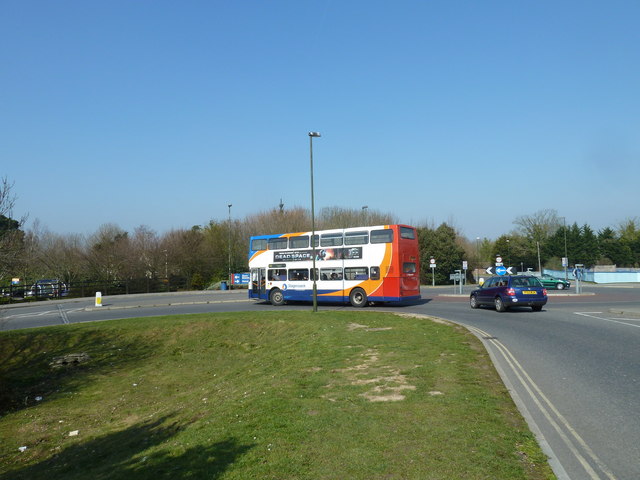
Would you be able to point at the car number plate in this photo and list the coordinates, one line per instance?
(529, 292)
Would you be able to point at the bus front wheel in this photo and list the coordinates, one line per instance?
(358, 298)
(276, 297)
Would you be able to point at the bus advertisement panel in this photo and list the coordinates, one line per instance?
(357, 265)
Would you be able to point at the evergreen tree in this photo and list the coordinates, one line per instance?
(440, 244)
(590, 251)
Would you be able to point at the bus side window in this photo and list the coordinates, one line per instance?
(356, 273)
(331, 274)
(298, 274)
(375, 273)
(277, 275)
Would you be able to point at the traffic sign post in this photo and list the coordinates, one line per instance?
(432, 265)
(456, 277)
(500, 270)
(464, 267)
(577, 272)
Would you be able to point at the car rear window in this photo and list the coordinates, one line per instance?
(526, 282)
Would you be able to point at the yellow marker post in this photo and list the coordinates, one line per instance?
(98, 299)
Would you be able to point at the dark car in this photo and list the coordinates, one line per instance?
(48, 288)
(553, 282)
(13, 292)
(510, 291)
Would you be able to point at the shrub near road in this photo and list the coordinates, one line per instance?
(282, 395)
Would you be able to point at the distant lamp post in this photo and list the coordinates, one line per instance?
(313, 223)
(229, 277)
(166, 264)
(364, 213)
(477, 258)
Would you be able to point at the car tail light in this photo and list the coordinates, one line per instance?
(511, 292)
(544, 292)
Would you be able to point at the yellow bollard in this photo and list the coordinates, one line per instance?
(98, 299)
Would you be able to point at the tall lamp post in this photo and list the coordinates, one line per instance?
(566, 261)
(313, 224)
(477, 259)
(229, 277)
(364, 213)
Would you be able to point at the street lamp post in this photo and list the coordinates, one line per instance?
(229, 277)
(364, 211)
(166, 264)
(313, 223)
(477, 258)
(566, 257)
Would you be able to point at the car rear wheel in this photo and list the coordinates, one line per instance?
(536, 308)
(560, 286)
(276, 297)
(499, 305)
(473, 301)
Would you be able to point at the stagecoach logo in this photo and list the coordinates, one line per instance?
(321, 254)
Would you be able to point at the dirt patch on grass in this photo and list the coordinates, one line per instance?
(355, 326)
(386, 383)
(426, 317)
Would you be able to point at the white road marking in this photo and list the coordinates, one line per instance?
(548, 409)
(604, 319)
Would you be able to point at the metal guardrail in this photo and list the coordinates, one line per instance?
(44, 290)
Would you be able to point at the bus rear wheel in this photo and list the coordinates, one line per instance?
(276, 297)
(358, 298)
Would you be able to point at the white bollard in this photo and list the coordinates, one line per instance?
(98, 299)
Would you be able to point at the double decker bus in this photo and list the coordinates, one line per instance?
(356, 265)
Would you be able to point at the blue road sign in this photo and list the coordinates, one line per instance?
(500, 270)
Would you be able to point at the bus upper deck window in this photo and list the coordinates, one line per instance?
(299, 242)
(406, 232)
(258, 244)
(331, 239)
(382, 236)
(277, 243)
(356, 238)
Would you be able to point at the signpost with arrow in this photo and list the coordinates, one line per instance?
(499, 269)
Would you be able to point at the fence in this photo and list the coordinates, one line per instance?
(619, 275)
(47, 289)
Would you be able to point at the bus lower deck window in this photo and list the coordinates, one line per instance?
(331, 274)
(277, 275)
(298, 274)
(356, 273)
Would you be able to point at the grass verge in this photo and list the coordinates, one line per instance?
(277, 395)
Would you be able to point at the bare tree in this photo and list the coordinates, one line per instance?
(57, 256)
(629, 229)
(11, 236)
(539, 225)
(185, 251)
(145, 254)
(340, 217)
(278, 221)
(107, 251)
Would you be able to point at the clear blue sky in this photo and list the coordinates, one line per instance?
(160, 113)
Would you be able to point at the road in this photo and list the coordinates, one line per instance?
(573, 369)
